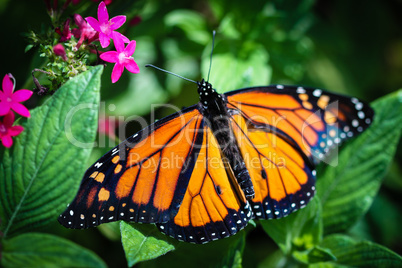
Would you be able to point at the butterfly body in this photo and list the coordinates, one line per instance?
(217, 116)
(201, 174)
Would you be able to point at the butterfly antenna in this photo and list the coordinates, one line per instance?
(160, 69)
(212, 50)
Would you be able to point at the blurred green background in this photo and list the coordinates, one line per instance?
(349, 47)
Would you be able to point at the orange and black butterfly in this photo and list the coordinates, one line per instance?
(201, 174)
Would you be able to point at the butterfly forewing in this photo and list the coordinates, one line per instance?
(143, 179)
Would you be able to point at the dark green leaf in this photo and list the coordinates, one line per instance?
(355, 253)
(143, 242)
(299, 231)
(347, 190)
(233, 258)
(41, 172)
(44, 250)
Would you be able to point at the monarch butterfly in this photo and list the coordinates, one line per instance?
(201, 174)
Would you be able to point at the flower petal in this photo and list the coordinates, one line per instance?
(15, 130)
(22, 95)
(94, 23)
(130, 48)
(4, 107)
(117, 22)
(125, 39)
(110, 56)
(104, 39)
(20, 109)
(103, 16)
(132, 66)
(8, 85)
(7, 141)
(117, 71)
(118, 41)
(8, 120)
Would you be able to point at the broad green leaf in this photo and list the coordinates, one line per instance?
(192, 23)
(348, 190)
(44, 250)
(236, 64)
(41, 172)
(351, 252)
(143, 242)
(299, 231)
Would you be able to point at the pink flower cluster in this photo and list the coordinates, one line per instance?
(122, 57)
(9, 102)
(104, 30)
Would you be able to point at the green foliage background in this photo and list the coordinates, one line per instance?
(349, 47)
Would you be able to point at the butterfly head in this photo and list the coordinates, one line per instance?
(207, 94)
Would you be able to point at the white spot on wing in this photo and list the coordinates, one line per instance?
(98, 165)
(317, 92)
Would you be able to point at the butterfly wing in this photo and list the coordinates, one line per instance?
(314, 119)
(143, 179)
(283, 132)
(214, 206)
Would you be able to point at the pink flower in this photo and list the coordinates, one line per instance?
(10, 100)
(84, 31)
(122, 57)
(60, 51)
(66, 33)
(106, 27)
(7, 130)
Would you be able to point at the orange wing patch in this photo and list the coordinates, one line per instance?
(282, 180)
(212, 207)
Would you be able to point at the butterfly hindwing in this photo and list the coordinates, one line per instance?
(283, 180)
(143, 179)
(214, 206)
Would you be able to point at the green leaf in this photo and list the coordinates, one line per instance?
(143, 242)
(236, 64)
(111, 230)
(44, 250)
(348, 190)
(233, 258)
(41, 172)
(224, 252)
(192, 23)
(314, 255)
(351, 252)
(298, 231)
